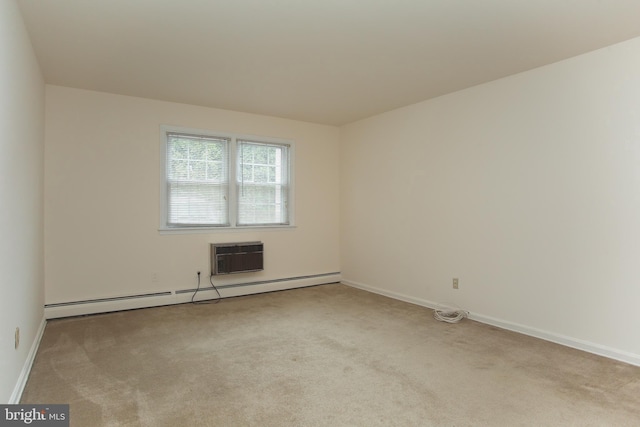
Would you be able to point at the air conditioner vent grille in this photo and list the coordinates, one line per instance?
(230, 258)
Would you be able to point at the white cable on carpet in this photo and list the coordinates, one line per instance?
(450, 315)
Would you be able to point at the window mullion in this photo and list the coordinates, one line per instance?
(233, 182)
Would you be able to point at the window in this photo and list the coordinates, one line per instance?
(224, 181)
(197, 180)
(262, 183)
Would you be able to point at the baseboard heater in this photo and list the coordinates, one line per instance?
(110, 299)
(265, 282)
(190, 290)
(156, 299)
(242, 257)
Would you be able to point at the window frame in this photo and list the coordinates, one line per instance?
(233, 161)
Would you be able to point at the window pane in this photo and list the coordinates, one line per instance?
(247, 173)
(179, 170)
(198, 150)
(179, 149)
(216, 152)
(216, 171)
(261, 155)
(198, 171)
(246, 153)
(261, 174)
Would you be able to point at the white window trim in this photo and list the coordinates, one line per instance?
(164, 229)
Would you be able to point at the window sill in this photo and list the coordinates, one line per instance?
(214, 230)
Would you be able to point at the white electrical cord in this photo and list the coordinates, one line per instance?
(450, 315)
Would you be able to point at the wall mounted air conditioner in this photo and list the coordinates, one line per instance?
(243, 257)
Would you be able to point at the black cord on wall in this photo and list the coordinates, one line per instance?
(217, 300)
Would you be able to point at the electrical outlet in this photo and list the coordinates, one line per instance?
(17, 343)
(154, 277)
(455, 283)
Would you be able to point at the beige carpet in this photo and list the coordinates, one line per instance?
(323, 356)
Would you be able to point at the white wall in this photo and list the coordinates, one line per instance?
(21, 193)
(102, 173)
(527, 189)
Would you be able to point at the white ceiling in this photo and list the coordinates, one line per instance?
(323, 61)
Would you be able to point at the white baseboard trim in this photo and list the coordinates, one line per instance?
(600, 350)
(394, 295)
(206, 292)
(28, 363)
